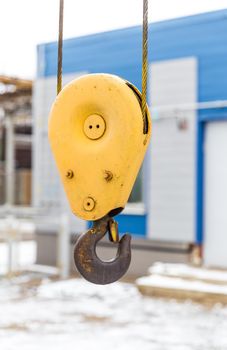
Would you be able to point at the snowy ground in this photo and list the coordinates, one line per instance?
(74, 314)
(39, 314)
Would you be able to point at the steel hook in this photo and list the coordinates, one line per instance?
(88, 263)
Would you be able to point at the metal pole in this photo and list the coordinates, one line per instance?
(10, 162)
(64, 246)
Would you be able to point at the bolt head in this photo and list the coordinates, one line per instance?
(69, 174)
(108, 175)
(88, 204)
(94, 127)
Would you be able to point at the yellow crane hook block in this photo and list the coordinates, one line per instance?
(96, 132)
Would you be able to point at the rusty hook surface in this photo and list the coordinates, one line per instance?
(91, 267)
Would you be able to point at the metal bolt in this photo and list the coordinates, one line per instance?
(69, 174)
(89, 204)
(94, 127)
(108, 175)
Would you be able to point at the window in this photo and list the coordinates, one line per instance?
(136, 195)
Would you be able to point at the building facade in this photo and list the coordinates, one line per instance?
(181, 192)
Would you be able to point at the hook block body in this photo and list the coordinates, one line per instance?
(96, 132)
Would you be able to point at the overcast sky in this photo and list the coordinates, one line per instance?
(25, 23)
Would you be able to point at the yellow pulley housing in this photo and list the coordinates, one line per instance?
(96, 132)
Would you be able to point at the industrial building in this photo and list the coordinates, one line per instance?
(15, 142)
(180, 198)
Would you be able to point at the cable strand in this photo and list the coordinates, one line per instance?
(145, 66)
(60, 45)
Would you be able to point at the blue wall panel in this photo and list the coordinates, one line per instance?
(119, 52)
(135, 224)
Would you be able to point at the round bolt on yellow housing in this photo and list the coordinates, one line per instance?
(89, 204)
(96, 127)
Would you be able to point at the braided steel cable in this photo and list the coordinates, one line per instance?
(60, 44)
(144, 58)
(145, 66)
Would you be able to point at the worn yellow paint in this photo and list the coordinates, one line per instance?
(116, 148)
(113, 231)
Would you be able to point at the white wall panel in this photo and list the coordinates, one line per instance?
(172, 153)
(215, 209)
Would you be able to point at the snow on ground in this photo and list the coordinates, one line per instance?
(181, 284)
(188, 272)
(75, 314)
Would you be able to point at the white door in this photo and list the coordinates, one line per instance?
(171, 163)
(215, 214)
